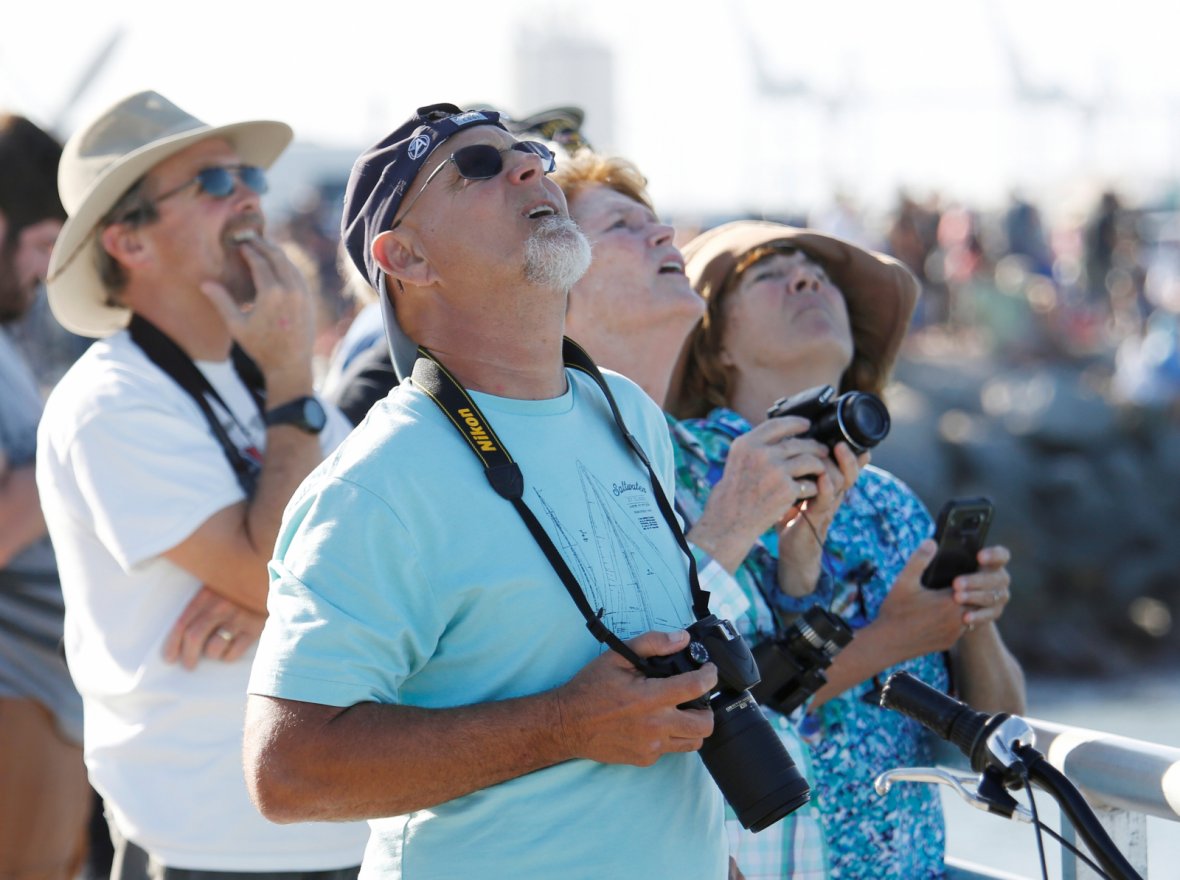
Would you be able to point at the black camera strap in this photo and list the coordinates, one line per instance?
(171, 358)
(506, 478)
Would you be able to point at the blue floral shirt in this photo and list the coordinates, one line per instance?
(850, 739)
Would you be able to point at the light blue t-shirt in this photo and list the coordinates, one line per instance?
(401, 577)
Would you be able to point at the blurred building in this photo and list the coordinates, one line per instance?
(552, 66)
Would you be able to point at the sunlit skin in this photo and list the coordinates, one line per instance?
(785, 318)
(440, 272)
(191, 243)
(634, 308)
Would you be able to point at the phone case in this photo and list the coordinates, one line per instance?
(960, 533)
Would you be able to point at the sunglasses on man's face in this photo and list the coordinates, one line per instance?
(220, 181)
(483, 162)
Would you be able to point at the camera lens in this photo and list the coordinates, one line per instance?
(750, 764)
(863, 418)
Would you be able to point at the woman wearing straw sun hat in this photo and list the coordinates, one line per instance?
(787, 310)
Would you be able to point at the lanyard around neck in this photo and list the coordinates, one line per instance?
(171, 358)
(506, 478)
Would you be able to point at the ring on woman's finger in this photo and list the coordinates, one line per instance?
(995, 596)
(224, 634)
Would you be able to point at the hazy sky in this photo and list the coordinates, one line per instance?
(726, 104)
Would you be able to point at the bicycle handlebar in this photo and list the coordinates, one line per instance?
(999, 742)
(950, 719)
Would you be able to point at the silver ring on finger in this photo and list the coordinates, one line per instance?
(224, 634)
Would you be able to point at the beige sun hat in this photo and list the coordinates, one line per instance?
(880, 292)
(105, 159)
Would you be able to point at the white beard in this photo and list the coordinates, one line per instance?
(557, 254)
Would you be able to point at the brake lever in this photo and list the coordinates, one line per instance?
(994, 799)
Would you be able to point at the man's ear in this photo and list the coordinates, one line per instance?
(397, 254)
(124, 243)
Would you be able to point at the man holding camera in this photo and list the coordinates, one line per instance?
(426, 665)
(164, 460)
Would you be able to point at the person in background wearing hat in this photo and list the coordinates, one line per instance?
(787, 310)
(164, 461)
(633, 311)
(45, 800)
(424, 666)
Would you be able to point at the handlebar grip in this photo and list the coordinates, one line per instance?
(945, 716)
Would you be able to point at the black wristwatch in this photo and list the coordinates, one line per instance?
(304, 413)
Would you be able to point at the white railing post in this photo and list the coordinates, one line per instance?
(1128, 830)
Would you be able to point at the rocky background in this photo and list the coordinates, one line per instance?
(1087, 497)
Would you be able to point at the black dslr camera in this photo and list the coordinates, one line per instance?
(858, 418)
(792, 667)
(744, 754)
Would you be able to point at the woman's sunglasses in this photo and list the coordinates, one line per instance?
(483, 162)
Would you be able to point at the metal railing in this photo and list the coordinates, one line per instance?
(1125, 780)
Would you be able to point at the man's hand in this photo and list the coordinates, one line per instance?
(212, 627)
(611, 713)
(277, 330)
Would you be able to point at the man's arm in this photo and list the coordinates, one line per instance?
(229, 552)
(305, 761)
(21, 522)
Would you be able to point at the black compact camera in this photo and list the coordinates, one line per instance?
(858, 418)
(744, 754)
(792, 667)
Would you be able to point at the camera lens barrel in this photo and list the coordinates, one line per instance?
(750, 764)
(792, 667)
(744, 754)
(858, 418)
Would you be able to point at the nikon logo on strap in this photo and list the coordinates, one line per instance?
(476, 431)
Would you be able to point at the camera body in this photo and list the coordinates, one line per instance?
(858, 418)
(744, 754)
(792, 667)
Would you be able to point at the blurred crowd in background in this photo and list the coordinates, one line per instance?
(1103, 287)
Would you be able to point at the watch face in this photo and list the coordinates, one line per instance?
(306, 413)
(314, 417)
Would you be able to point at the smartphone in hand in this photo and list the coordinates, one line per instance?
(960, 533)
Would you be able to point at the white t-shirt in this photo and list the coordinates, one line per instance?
(128, 468)
(401, 577)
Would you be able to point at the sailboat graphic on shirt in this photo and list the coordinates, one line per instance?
(618, 567)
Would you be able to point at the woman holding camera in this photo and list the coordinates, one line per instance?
(789, 310)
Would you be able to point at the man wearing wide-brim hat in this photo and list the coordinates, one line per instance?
(165, 458)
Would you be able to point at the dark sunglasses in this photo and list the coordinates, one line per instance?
(221, 180)
(483, 162)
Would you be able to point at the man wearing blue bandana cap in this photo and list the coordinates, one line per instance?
(422, 666)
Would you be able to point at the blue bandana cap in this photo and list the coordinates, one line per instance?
(376, 187)
(383, 173)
